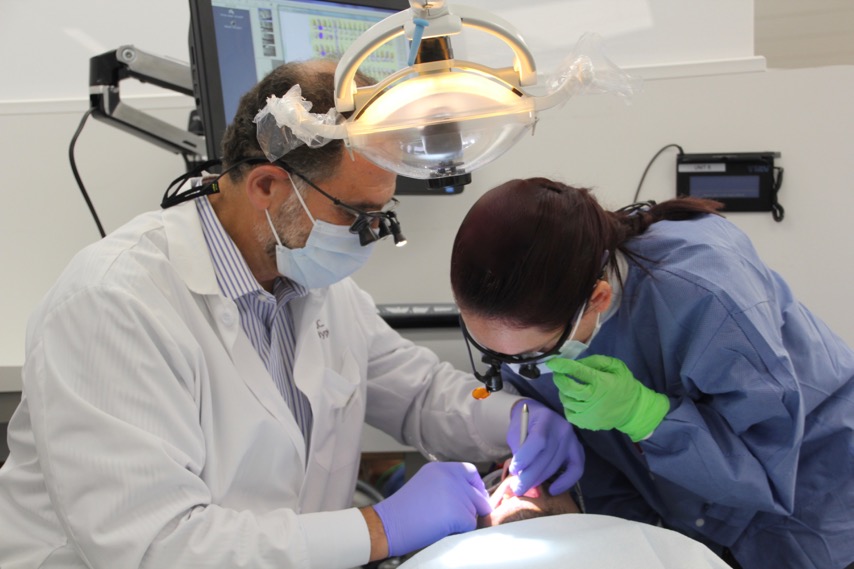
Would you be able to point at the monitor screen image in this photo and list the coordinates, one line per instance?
(235, 43)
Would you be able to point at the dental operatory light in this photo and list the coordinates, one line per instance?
(439, 118)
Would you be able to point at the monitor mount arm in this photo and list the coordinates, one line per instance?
(108, 69)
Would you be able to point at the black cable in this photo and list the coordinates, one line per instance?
(77, 175)
(777, 211)
(657, 154)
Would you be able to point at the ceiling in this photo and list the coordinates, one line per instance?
(798, 33)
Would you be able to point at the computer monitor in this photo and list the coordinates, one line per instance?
(234, 43)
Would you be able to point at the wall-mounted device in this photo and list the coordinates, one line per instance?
(742, 181)
(106, 72)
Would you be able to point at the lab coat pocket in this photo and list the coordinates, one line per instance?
(337, 438)
(339, 413)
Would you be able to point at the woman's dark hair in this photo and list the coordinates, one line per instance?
(316, 81)
(529, 252)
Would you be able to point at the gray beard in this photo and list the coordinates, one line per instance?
(289, 221)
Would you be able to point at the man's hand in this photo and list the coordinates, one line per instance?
(599, 393)
(442, 498)
(550, 447)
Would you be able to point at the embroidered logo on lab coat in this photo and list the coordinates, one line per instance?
(322, 330)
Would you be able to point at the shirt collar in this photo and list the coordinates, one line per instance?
(616, 286)
(233, 275)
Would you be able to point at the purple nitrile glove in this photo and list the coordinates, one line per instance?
(442, 498)
(551, 445)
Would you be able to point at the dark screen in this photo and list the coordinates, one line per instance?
(723, 187)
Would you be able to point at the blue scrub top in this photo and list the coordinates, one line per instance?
(757, 451)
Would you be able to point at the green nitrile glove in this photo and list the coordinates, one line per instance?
(600, 393)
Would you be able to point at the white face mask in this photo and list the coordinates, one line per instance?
(331, 253)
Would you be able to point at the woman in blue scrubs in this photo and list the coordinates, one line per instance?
(708, 399)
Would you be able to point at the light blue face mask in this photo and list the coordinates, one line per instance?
(570, 349)
(331, 253)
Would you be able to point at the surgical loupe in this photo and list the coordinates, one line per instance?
(386, 220)
(528, 364)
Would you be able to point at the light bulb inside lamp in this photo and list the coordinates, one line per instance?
(429, 125)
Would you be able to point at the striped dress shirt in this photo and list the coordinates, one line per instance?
(266, 318)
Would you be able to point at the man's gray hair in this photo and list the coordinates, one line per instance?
(316, 79)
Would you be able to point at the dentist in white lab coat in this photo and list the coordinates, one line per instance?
(195, 384)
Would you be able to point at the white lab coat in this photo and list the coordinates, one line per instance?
(150, 433)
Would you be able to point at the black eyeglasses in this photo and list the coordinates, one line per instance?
(527, 363)
(386, 220)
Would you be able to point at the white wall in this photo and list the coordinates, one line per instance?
(46, 46)
(594, 140)
(600, 142)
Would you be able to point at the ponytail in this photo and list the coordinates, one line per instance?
(635, 219)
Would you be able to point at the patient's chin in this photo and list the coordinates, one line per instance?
(511, 510)
(535, 503)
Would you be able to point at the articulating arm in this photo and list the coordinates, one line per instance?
(108, 69)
